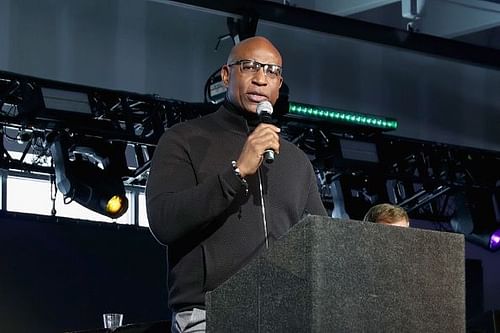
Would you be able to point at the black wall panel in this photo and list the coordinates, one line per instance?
(58, 275)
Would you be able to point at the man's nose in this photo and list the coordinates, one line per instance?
(260, 77)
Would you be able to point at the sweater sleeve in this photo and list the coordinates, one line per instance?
(176, 203)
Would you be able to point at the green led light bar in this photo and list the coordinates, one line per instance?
(342, 117)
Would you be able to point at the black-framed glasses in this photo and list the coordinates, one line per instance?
(272, 71)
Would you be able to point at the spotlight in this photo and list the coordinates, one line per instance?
(489, 240)
(116, 204)
(215, 90)
(82, 180)
(495, 240)
(476, 219)
(24, 135)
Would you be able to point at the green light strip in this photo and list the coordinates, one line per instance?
(342, 117)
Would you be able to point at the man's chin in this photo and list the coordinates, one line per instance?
(251, 106)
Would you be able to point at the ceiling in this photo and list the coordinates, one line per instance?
(475, 22)
(463, 30)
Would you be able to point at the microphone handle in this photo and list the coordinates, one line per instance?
(265, 117)
(269, 156)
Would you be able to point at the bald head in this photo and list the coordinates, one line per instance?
(246, 88)
(257, 42)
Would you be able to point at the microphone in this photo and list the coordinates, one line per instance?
(264, 111)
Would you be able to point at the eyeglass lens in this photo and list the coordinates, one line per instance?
(254, 66)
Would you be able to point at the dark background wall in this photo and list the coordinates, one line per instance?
(490, 271)
(58, 275)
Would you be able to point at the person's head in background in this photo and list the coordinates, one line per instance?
(387, 214)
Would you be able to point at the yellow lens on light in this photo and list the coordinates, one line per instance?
(116, 205)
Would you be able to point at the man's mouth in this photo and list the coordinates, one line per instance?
(256, 98)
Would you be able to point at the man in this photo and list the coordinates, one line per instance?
(388, 214)
(210, 197)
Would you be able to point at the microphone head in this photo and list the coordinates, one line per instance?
(264, 106)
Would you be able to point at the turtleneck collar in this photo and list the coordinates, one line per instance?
(251, 119)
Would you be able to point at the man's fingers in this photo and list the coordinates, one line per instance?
(264, 137)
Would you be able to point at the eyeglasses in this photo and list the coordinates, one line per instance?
(251, 66)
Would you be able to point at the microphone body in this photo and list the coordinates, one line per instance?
(264, 111)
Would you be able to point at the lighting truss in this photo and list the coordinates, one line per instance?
(41, 107)
(357, 164)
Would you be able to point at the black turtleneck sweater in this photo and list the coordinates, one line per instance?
(198, 207)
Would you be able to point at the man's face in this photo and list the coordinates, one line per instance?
(247, 89)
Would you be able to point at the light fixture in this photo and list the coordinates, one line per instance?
(215, 89)
(89, 179)
(342, 117)
(495, 240)
(475, 217)
(489, 240)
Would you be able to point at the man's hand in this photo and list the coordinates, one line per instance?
(264, 137)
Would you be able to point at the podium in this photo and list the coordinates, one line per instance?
(332, 275)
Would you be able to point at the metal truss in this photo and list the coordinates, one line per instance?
(356, 166)
(422, 177)
(34, 110)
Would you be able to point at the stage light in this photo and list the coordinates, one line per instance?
(495, 240)
(342, 117)
(82, 180)
(475, 218)
(66, 101)
(489, 240)
(116, 205)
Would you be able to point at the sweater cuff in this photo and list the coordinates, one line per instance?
(231, 183)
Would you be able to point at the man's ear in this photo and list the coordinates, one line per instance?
(224, 73)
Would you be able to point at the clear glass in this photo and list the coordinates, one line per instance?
(112, 320)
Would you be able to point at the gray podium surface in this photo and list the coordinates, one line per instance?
(330, 275)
